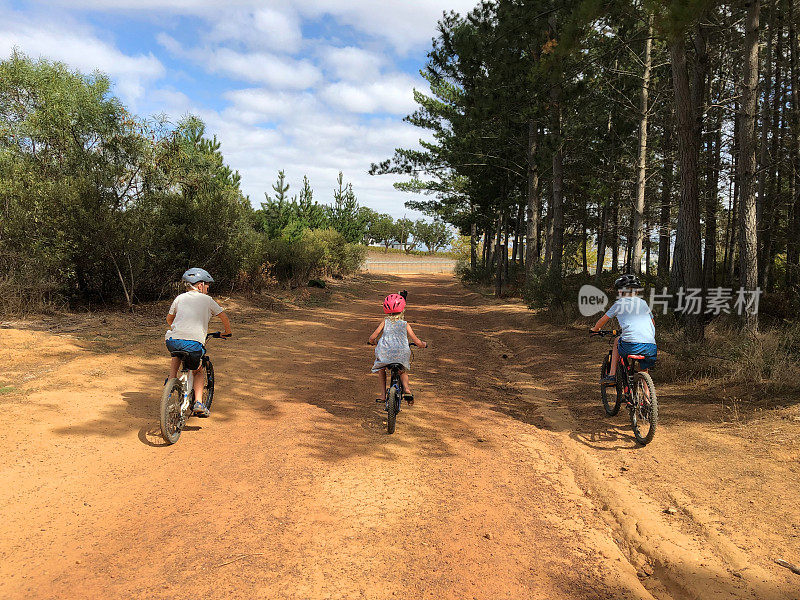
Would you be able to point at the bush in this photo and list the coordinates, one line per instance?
(316, 253)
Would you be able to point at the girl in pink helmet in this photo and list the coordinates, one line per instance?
(393, 344)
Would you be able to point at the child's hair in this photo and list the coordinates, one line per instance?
(188, 286)
(396, 316)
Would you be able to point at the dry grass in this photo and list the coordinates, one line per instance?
(769, 361)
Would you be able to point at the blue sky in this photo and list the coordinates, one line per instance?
(310, 86)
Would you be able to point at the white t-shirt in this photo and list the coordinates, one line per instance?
(192, 311)
(635, 319)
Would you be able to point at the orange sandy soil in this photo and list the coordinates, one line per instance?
(505, 480)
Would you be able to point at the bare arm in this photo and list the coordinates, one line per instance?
(373, 338)
(226, 323)
(600, 322)
(170, 319)
(414, 338)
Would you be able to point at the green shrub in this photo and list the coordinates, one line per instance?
(315, 253)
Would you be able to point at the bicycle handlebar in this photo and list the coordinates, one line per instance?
(218, 335)
(604, 332)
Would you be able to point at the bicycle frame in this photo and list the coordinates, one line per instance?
(394, 382)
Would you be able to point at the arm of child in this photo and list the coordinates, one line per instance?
(170, 319)
(376, 333)
(414, 338)
(600, 322)
(226, 323)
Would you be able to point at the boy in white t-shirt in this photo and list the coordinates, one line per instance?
(638, 335)
(188, 320)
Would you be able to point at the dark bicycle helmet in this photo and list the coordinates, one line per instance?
(196, 275)
(629, 280)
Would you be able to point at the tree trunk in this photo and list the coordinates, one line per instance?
(498, 257)
(686, 108)
(557, 221)
(793, 233)
(585, 238)
(518, 233)
(533, 207)
(601, 239)
(763, 157)
(712, 195)
(615, 232)
(664, 223)
(641, 167)
(734, 206)
(748, 251)
(473, 232)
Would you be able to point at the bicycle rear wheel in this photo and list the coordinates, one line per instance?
(208, 388)
(644, 413)
(611, 395)
(172, 420)
(391, 409)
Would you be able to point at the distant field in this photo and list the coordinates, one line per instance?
(397, 264)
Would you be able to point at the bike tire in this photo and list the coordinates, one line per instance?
(171, 400)
(610, 404)
(208, 388)
(391, 410)
(647, 413)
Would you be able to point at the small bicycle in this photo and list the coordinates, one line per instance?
(394, 395)
(177, 401)
(635, 388)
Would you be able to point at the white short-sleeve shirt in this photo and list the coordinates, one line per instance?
(192, 311)
(635, 319)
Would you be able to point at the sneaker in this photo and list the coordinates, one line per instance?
(200, 410)
(609, 380)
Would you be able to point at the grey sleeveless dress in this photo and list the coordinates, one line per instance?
(393, 346)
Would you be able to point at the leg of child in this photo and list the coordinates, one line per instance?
(614, 358)
(199, 383)
(174, 365)
(382, 378)
(404, 381)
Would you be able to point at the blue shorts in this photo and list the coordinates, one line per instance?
(649, 351)
(195, 351)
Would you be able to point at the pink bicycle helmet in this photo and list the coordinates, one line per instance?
(394, 303)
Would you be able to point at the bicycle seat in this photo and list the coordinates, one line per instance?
(636, 356)
(395, 366)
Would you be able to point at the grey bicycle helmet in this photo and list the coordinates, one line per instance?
(196, 275)
(628, 280)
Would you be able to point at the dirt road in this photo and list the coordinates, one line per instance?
(293, 489)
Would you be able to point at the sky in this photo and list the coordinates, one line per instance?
(312, 87)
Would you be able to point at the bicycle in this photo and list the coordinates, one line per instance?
(634, 387)
(394, 394)
(177, 400)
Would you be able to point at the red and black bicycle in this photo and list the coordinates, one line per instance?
(634, 387)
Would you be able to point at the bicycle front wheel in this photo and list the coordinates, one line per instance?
(644, 413)
(172, 420)
(208, 388)
(391, 409)
(611, 395)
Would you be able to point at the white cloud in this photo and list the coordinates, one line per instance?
(392, 94)
(255, 105)
(259, 67)
(77, 46)
(351, 63)
(406, 24)
(264, 27)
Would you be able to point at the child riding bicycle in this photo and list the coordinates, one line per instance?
(188, 319)
(392, 348)
(638, 327)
